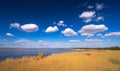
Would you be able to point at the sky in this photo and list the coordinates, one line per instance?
(59, 23)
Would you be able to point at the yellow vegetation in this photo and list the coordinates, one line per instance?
(107, 60)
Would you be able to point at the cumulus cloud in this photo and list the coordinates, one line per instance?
(69, 32)
(74, 41)
(90, 30)
(9, 34)
(93, 40)
(99, 6)
(51, 29)
(87, 14)
(29, 27)
(61, 23)
(112, 34)
(15, 25)
(26, 27)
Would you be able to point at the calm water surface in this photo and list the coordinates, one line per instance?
(31, 52)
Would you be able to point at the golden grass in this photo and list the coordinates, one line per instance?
(108, 60)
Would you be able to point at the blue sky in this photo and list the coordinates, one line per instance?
(59, 23)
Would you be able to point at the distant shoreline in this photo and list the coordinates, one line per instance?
(106, 48)
(73, 48)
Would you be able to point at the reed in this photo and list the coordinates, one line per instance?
(105, 60)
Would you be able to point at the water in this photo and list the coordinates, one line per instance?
(31, 52)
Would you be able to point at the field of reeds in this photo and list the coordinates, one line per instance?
(100, 60)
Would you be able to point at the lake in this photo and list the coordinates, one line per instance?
(31, 52)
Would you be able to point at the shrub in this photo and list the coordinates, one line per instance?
(88, 54)
(41, 55)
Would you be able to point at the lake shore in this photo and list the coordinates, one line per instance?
(99, 60)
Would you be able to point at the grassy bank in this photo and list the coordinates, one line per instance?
(105, 60)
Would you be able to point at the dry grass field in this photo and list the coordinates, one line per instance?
(101, 60)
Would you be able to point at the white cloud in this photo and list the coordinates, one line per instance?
(1, 43)
(100, 18)
(15, 25)
(93, 40)
(90, 7)
(41, 42)
(99, 35)
(9, 34)
(51, 29)
(87, 14)
(87, 20)
(69, 32)
(23, 41)
(31, 44)
(90, 30)
(99, 6)
(87, 34)
(26, 27)
(74, 41)
(61, 23)
(112, 34)
(29, 27)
